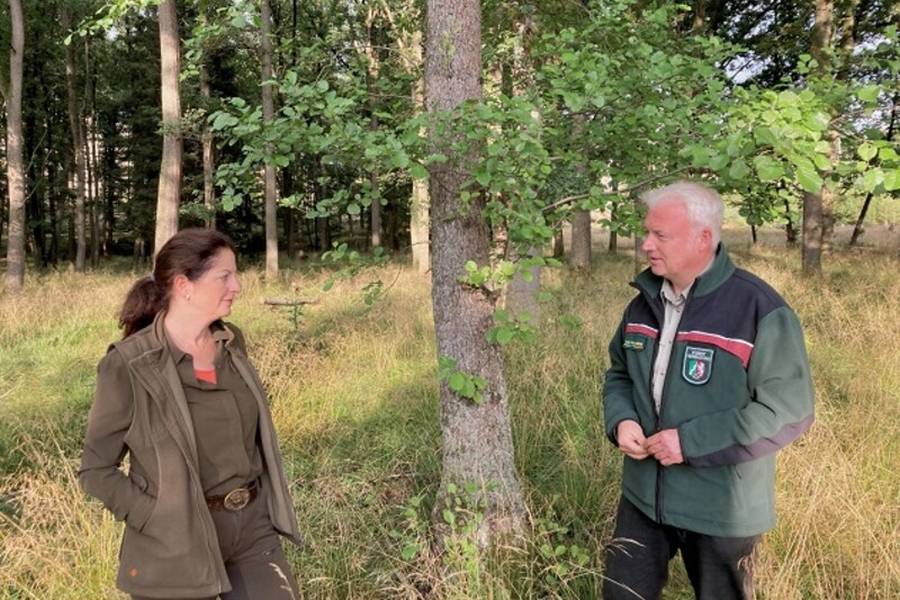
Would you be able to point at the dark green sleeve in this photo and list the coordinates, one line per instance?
(104, 445)
(781, 401)
(618, 404)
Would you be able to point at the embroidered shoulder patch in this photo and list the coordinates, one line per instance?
(697, 365)
(633, 345)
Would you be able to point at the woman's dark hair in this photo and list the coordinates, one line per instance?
(189, 252)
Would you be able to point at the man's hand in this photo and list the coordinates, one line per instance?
(665, 447)
(631, 439)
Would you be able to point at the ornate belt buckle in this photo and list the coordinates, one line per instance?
(237, 499)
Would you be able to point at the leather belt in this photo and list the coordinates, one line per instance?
(236, 499)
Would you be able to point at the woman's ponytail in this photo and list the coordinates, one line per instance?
(143, 301)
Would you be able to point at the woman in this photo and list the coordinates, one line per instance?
(205, 497)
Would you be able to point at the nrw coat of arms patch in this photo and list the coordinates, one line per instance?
(697, 365)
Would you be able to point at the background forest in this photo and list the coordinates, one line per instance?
(436, 222)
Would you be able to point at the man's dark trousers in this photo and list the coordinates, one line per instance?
(637, 560)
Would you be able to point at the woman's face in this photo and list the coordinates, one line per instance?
(212, 294)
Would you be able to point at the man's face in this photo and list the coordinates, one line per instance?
(676, 249)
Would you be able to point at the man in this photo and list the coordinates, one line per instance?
(708, 379)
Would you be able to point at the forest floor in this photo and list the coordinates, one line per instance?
(354, 396)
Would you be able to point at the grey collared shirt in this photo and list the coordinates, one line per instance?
(674, 305)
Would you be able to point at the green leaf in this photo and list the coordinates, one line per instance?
(887, 153)
(823, 163)
(457, 381)
(869, 94)
(409, 551)
(768, 169)
(738, 170)
(892, 180)
(505, 335)
(872, 179)
(353, 208)
(418, 171)
(449, 517)
(809, 180)
(867, 151)
(718, 162)
(765, 136)
(700, 156)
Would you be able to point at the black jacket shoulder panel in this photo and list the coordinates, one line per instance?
(734, 309)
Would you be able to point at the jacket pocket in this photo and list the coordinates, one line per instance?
(140, 514)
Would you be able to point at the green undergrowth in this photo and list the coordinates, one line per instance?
(355, 399)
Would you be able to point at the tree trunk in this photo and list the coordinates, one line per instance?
(580, 256)
(268, 110)
(812, 234)
(858, 228)
(372, 68)
(522, 292)
(419, 203)
(477, 438)
(15, 165)
(169, 192)
(94, 162)
(209, 160)
(613, 234)
(817, 206)
(559, 246)
(790, 232)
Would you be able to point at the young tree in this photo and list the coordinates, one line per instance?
(477, 439)
(169, 191)
(75, 126)
(15, 165)
(268, 114)
(206, 138)
(817, 205)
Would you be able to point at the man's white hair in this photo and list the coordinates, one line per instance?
(704, 205)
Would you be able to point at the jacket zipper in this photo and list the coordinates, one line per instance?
(660, 319)
(660, 470)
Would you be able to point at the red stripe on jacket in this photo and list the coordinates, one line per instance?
(642, 329)
(740, 348)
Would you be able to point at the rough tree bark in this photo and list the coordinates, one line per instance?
(817, 206)
(410, 50)
(373, 65)
(522, 293)
(15, 165)
(75, 126)
(580, 255)
(209, 159)
(169, 192)
(419, 219)
(477, 439)
(268, 110)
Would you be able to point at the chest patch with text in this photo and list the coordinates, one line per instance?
(637, 345)
(697, 365)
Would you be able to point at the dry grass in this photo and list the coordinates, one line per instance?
(355, 401)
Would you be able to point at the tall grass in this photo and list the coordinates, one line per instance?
(354, 396)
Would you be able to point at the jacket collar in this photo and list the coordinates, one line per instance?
(720, 270)
(220, 334)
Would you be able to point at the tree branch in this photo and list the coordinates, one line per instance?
(569, 199)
